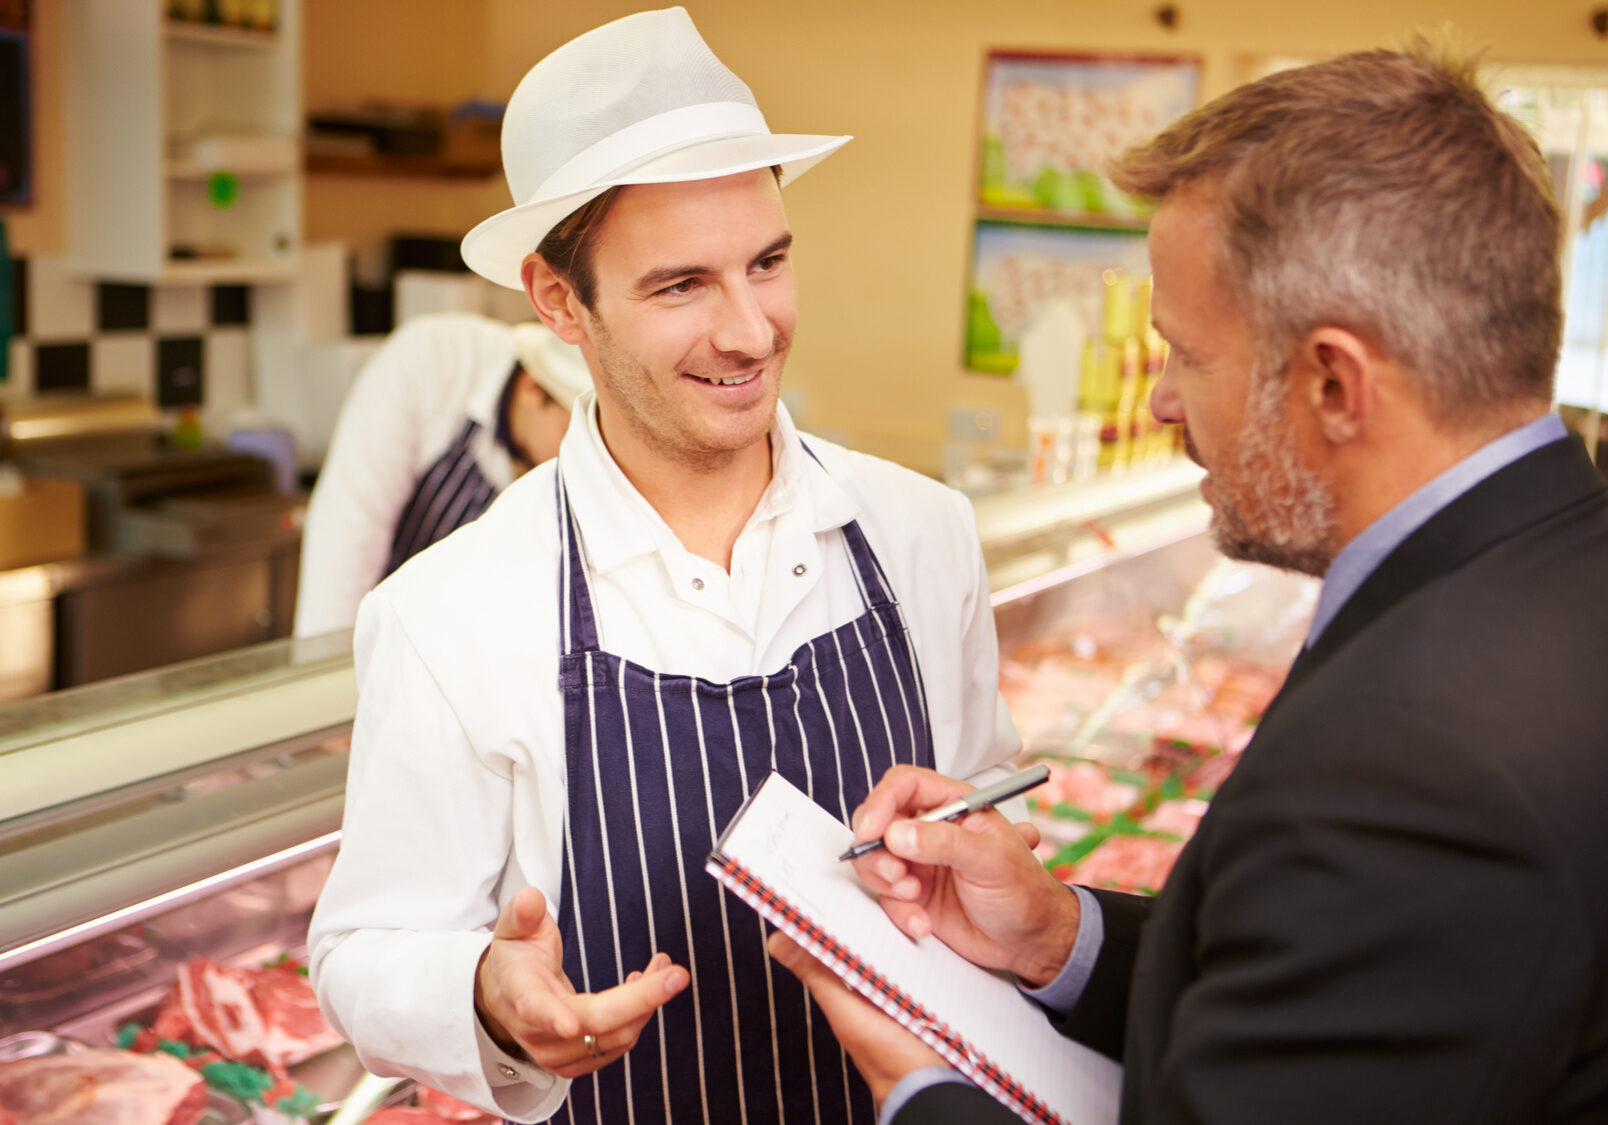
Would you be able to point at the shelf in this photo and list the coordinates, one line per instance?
(417, 167)
(209, 35)
(1080, 219)
(225, 271)
(248, 169)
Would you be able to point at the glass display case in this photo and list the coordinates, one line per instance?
(176, 826)
(186, 816)
(1135, 660)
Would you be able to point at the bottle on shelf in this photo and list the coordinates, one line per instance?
(1126, 371)
(1154, 440)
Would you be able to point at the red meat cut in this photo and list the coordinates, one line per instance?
(100, 1087)
(268, 1017)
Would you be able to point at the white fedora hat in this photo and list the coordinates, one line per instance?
(642, 100)
(558, 368)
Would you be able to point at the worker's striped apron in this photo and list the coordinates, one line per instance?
(658, 764)
(451, 493)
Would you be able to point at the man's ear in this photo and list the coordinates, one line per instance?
(553, 298)
(1337, 383)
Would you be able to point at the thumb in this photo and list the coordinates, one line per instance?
(795, 959)
(522, 916)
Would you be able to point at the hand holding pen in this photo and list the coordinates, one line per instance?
(973, 882)
(975, 801)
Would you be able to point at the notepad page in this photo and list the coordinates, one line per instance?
(791, 845)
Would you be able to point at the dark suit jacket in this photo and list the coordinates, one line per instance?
(1396, 909)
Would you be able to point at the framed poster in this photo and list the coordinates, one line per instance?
(1049, 123)
(1017, 267)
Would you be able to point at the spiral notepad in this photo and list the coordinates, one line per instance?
(779, 855)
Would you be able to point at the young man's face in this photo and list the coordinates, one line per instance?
(1267, 505)
(693, 315)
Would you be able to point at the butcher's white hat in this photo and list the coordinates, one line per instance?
(558, 368)
(641, 100)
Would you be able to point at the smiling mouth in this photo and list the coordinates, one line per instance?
(728, 381)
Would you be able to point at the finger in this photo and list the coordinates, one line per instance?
(828, 989)
(575, 1057)
(794, 957)
(629, 1003)
(882, 872)
(981, 857)
(522, 916)
(537, 1012)
(911, 919)
(904, 791)
(1029, 833)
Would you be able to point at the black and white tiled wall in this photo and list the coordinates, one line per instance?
(177, 345)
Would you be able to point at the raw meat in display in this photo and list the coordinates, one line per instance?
(100, 1087)
(1088, 787)
(1127, 863)
(266, 1016)
(407, 1115)
(449, 1107)
(1180, 818)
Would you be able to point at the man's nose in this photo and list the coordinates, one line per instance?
(1165, 402)
(742, 328)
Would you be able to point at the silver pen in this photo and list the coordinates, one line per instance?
(985, 798)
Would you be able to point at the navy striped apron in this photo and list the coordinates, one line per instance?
(451, 493)
(658, 764)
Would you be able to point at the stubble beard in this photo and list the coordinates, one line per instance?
(650, 414)
(1296, 519)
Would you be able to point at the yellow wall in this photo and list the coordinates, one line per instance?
(883, 227)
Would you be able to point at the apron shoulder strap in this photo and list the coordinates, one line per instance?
(875, 590)
(575, 615)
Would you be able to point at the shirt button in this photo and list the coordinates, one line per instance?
(697, 583)
(800, 569)
(507, 1071)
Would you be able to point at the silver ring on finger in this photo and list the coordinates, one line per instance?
(591, 1046)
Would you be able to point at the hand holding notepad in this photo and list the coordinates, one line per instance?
(780, 855)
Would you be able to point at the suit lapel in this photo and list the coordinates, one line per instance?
(1535, 487)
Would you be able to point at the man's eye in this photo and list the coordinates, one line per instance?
(765, 265)
(680, 288)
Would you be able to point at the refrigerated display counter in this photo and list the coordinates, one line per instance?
(189, 815)
(181, 816)
(1136, 661)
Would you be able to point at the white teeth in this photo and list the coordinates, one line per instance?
(732, 382)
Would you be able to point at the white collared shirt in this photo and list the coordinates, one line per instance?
(404, 410)
(456, 792)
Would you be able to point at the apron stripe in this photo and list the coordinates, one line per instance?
(725, 924)
(635, 851)
(837, 754)
(451, 493)
(608, 864)
(770, 984)
(580, 938)
(882, 702)
(686, 910)
(647, 884)
(854, 713)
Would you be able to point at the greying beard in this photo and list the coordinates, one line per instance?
(1297, 513)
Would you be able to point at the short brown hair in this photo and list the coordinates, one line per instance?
(1381, 192)
(567, 248)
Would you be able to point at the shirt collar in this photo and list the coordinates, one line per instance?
(618, 524)
(1362, 556)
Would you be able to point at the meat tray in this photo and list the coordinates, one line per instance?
(221, 1109)
(330, 1074)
